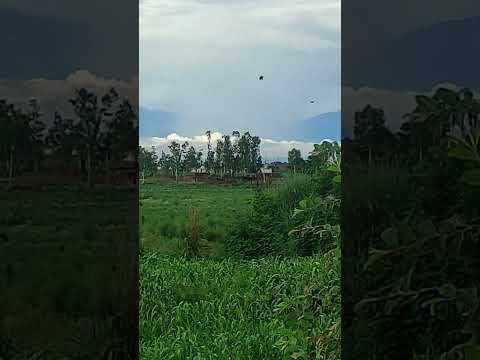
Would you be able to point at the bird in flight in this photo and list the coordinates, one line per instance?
(312, 101)
(261, 77)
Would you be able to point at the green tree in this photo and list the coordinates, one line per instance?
(119, 139)
(218, 164)
(148, 161)
(37, 128)
(244, 152)
(15, 136)
(370, 131)
(93, 115)
(323, 154)
(191, 159)
(210, 160)
(295, 160)
(227, 155)
(177, 153)
(63, 139)
(255, 158)
(235, 152)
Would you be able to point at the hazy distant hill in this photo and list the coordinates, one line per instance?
(156, 122)
(317, 128)
(443, 52)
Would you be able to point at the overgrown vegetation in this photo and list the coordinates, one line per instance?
(67, 287)
(412, 201)
(226, 309)
(299, 216)
(104, 129)
(202, 304)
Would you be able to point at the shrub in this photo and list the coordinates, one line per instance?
(193, 233)
(276, 225)
(318, 228)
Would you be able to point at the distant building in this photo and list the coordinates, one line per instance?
(200, 170)
(266, 169)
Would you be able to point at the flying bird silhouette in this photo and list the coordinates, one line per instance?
(261, 77)
(312, 101)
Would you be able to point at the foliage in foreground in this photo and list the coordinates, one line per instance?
(299, 216)
(413, 234)
(224, 309)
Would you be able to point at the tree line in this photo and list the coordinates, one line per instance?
(232, 156)
(103, 129)
(445, 118)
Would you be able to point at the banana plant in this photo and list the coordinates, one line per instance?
(465, 148)
(335, 167)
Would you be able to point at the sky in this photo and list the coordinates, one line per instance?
(61, 46)
(201, 60)
(69, 36)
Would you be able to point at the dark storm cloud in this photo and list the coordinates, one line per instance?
(55, 38)
(408, 45)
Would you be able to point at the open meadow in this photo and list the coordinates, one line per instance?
(217, 305)
(64, 252)
(164, 209)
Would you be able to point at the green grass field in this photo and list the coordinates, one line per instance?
(164, 207)
(213, 307)
(64, 252)
(222, 309)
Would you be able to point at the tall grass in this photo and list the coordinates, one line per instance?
(224, 309)
(193, 233)
(164, 214)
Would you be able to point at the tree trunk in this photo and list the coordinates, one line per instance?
(176, 175)
(369, 156)
(89, 167)
(10, 167)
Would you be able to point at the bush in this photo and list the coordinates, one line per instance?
(278, 225)
(193, 233)
(318, 228)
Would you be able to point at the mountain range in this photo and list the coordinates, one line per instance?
(317, 128)
(159, 123)
(439, 53)
(156, 122)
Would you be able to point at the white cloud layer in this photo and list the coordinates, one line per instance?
(201, 59)
(53, 94)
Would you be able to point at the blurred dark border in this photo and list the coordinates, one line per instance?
(411, 177)
(68, 179)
